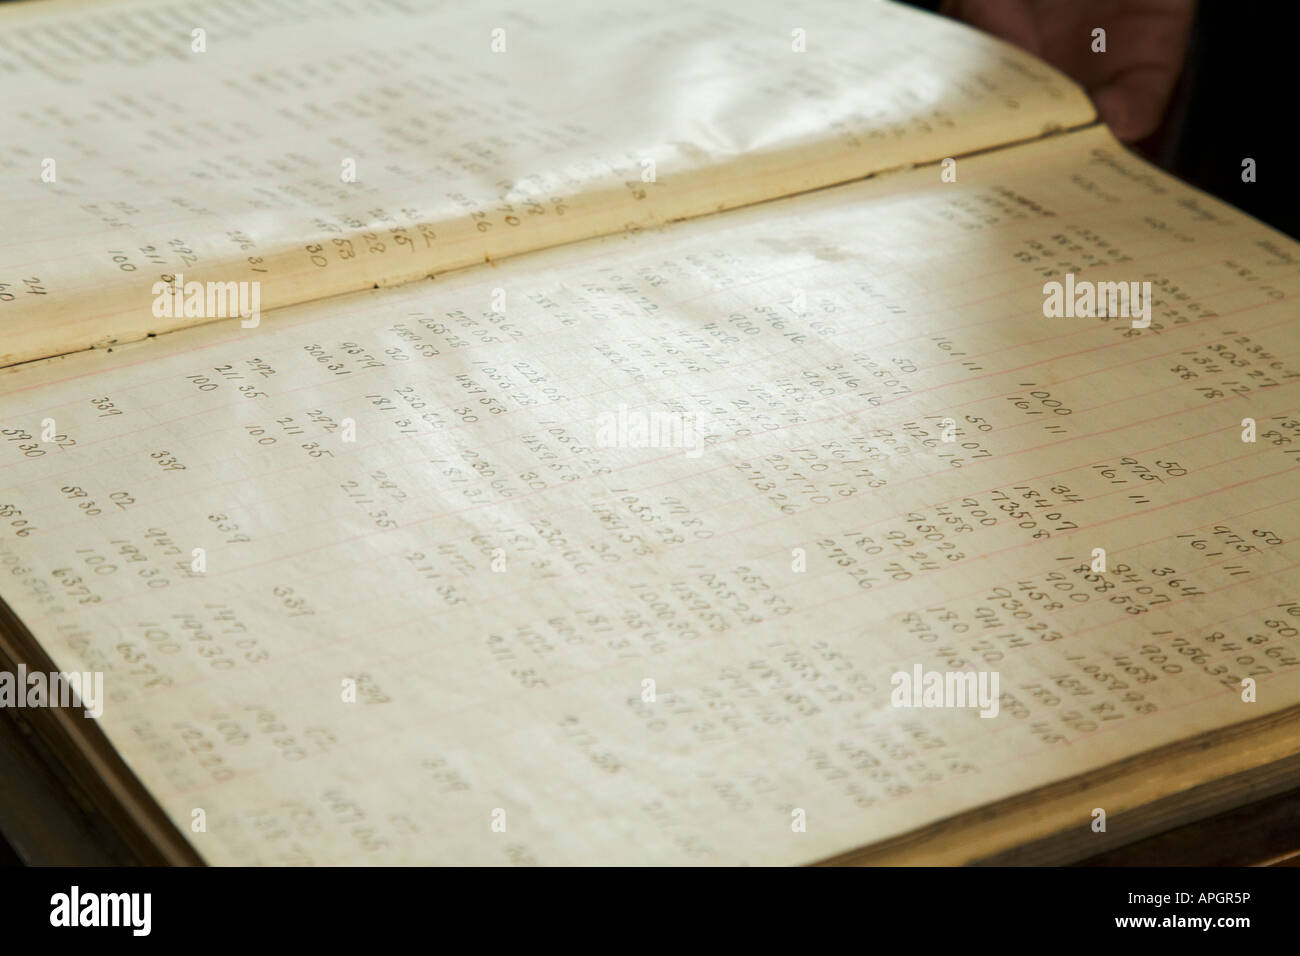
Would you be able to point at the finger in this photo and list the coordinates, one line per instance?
(1133, 102)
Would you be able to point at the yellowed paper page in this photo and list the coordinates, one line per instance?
(623, 569)
(316, 148)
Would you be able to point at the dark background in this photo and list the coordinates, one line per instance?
(1237, 98)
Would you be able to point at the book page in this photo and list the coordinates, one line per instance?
(305, 149)
(623, 568)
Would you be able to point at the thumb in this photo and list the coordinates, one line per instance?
(1133, 103)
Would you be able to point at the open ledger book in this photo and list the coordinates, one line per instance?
(591, 470)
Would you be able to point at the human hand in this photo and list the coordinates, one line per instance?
(1130, 84)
